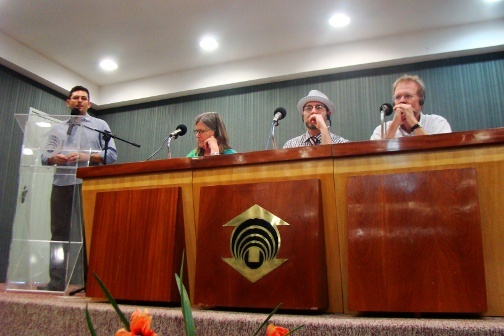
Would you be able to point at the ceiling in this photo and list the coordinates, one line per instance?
(156, 42)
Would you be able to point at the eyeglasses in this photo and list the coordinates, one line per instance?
(405, 96)
(200, 131)
(318, 108)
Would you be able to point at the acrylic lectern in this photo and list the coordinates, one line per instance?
(32, 249)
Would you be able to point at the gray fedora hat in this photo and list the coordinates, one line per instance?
(315, 95)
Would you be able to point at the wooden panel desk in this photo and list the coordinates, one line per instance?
(192, 175)
(481, 150)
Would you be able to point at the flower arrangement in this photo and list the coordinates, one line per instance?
(140, 323)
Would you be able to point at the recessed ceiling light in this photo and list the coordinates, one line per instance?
(108, 65)
(208, 43)
(339, 20)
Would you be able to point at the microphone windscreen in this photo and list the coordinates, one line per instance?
(182, 128)
(282, 111)
(387, 108)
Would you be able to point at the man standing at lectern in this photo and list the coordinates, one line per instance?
(65, 185)
(315, 110)
(408, 120)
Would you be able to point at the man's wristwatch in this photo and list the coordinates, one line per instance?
(414, 127)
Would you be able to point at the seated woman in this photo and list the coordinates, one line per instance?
(211, 135)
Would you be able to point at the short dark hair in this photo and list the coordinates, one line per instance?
(79, 88)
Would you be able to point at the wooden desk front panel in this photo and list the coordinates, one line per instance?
(297, 170)
(414, 243)
(183, 179)
(489, 165)
(137, 244)
(260, 244)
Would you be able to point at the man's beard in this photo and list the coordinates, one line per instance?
(311, 126)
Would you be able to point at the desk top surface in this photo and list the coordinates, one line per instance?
(488, 137)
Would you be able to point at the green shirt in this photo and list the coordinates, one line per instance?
(194, 152)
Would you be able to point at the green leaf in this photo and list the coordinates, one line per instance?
(112, 302)
(89, 323)
(295, 329)
(186, 309)
(268, 318)
(185, 302)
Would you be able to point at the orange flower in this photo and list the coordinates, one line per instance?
(140, 323)
(276, 331)
(139, 326)
(123, 332)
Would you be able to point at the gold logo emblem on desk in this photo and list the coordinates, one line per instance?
(255, 243)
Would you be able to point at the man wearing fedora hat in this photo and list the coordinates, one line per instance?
(316, 110)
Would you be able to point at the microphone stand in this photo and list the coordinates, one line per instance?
(272, 135)
(168, 141)
(383, 125)
(106, 137)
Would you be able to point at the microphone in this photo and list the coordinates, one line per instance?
(179, 131)
(387, 109)
(278, 115)
(75, 111)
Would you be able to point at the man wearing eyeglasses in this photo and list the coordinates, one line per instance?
(408, 120)
(316, 110)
